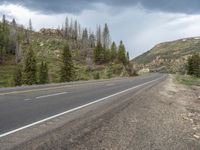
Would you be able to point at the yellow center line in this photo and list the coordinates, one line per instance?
(33, 90)
(50, 88)
(42, 89)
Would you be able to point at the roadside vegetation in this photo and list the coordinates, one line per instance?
(188, 80)
(193, 71)
(65, 54)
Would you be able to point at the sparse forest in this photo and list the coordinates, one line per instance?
(65, 54)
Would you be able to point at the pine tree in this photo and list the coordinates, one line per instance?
(30, 26)
(1, 43)
(76, 30)
(92, 40)
(67, 65)
(85, 38)
(194, 65)
(66, 34)
(18, 76)
(127, 57)
(113, 53)
(98, 53)
(30, 67)
(98, 34)
(106, 37)
(18, 51)
(43, 73)
(122, 53)
(4, 39)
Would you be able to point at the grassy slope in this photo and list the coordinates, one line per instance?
(6, 72)
(188, 80)
(49, 48)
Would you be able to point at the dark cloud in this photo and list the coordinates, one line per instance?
(76, 6)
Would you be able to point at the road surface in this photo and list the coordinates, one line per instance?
(24, 107)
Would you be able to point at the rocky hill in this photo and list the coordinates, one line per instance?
(169, 56)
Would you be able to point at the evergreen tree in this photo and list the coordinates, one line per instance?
(4, 39)
(85, 40)
(43, 73)
(127, 57)
(1, 43)
(107, 55)
(98, 53)
(92, 40)
(194, 65)
(30, 27)
(109, 71)
(106, 37)
(85, 35)
(67, 65)
(98, 34)
(14, 23)
(76, 30)
(18, 76)
(66, 34)
(122, 53)
(30, 68)
(113, 53)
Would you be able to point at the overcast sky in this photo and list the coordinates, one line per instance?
(139, 23)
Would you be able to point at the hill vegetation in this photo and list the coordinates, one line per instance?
(93, 54)
(169, 56)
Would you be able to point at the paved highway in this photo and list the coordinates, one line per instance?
(23, 107)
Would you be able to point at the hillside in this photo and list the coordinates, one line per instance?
(48, 46)
(169, 56)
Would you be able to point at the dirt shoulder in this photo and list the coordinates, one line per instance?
(163, 116)
(166, 116)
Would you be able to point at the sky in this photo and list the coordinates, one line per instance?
(141, 24)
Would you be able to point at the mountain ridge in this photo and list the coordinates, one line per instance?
(171, 55)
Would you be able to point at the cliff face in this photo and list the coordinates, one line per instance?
(170, 56)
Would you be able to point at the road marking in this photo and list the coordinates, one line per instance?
(28, 99)
(77, 108)
(52, 88)
(50, 95)
(111, 84)
(34, 90)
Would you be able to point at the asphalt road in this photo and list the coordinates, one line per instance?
(21, 107)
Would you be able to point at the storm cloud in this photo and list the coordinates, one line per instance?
(77, 6)
(139, 23)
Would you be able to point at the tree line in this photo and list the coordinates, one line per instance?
(104, 55)
(12, 36)
(30, 74)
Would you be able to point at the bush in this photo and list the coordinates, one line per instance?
(18, 76)
(96, 75)
(194, 65)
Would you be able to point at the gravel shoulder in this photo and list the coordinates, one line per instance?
(160, 116)
(164, 117)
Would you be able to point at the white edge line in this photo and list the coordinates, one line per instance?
(39, 97)
(74, 109)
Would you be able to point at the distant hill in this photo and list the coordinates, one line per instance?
(169, 56)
